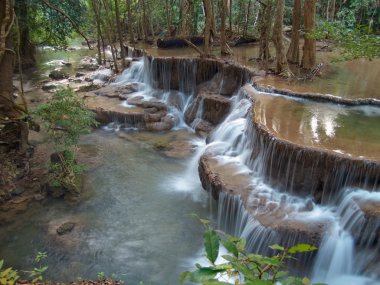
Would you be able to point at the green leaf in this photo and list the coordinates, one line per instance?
(248, 274)
(277, 247)
(231, 247)
(204, 222)
(185, 275)
(306, 281)
(211, 242)
(204, 274)
(302, 247)
(229, 258)
(258, 282)
(215, 282)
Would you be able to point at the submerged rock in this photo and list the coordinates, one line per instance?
(65, 228)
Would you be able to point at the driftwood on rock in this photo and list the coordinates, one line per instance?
(176, 42)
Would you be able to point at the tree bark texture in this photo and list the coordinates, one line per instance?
(7, 56)
(119, 33)
(224, 48)
(186, 28)
(277, 38)
(27, 49)
(130, 22)
(264, 29)
(309, 57)
(208, 26)
(293, 54)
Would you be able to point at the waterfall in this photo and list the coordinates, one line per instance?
(293, 194)
(335, 256)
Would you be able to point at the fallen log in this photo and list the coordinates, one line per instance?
(176, 42)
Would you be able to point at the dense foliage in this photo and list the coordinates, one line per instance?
(66, 119)
(241, 267)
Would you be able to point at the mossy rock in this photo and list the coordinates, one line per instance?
(162, 144)
(65, 228)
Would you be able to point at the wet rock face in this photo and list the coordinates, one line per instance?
(269, 213)
(215, 108)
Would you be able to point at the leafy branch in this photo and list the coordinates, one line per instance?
(243, 267)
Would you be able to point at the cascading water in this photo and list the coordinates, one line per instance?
(274, 216)
(148, 89)
(277, 214)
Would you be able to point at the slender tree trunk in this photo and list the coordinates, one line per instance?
(224, 48)
(130, 22)
(245, 31)
(213, 26)
(230, 17)
(7, 55)
(119, 33)
(265, 27)
(309, 58)
(27, 49)
(168, 18)
(186, 27)
(282, 67)
(293, 54)
(208, 24)
(332, 10)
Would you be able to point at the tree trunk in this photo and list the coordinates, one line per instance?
(230, 16)
(208, 26)
(293, 54)
(282, 67)
(14, 131)
(309, 58)
(224, 48)
(130, 22)
(187, 11)
(6, 61)
(332, 10)
(27, 49)
(245, 31)
(95, 10)
(264, 29)
(119, 33)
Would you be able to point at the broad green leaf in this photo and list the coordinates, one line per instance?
(306, 281)
(211, 242)
(302, 247)
(1, 263)
(231, 247)
(241, 244)
(204, 222)
(215, 282)
(248, 274)
(229, 258)
(185, 275)
(203, 274)
(277, 247)
(258, 282)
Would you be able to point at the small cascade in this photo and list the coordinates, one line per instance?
(135, 73)
(335, 256)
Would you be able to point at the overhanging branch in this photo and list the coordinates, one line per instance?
(48, 4)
